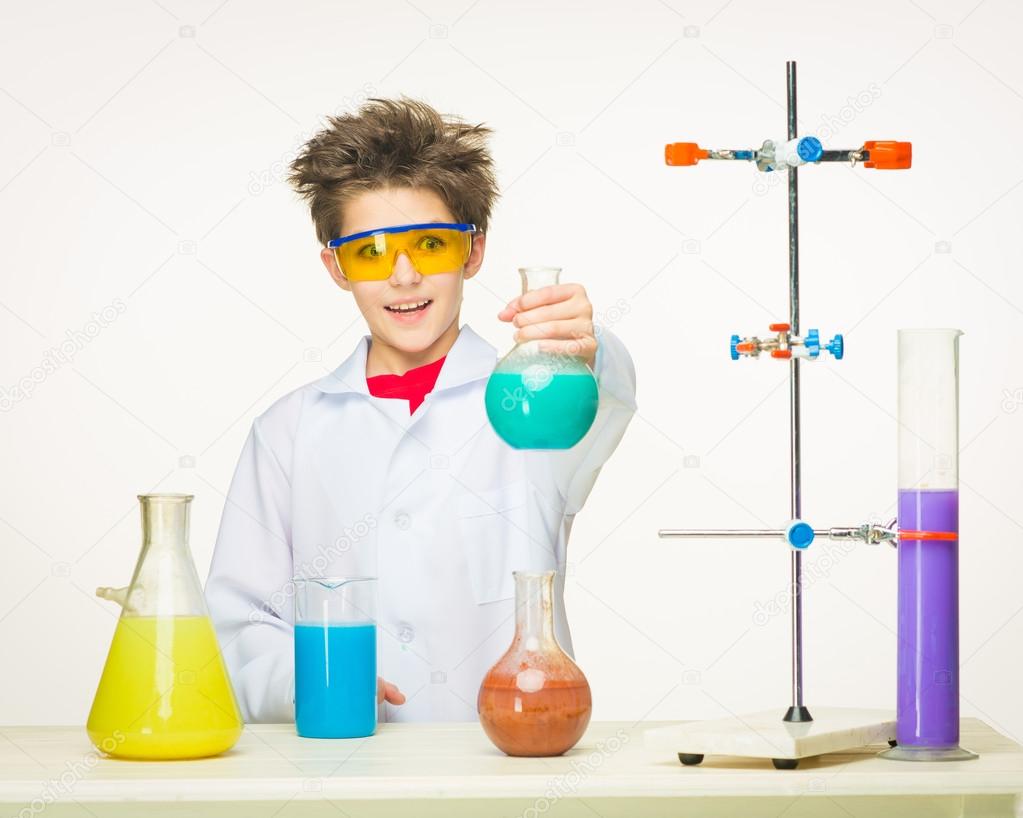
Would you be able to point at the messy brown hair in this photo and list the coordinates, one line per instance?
(395, 143)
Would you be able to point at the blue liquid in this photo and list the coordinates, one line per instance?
(556, 416)
(336, 680)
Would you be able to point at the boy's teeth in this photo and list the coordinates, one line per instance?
(409, 307)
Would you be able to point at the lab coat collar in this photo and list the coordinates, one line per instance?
(469, 359)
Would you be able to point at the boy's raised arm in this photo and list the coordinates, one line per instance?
(576, 469)
(249, 582)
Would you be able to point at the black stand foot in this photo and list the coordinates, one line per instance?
(797, 714)
(785, 763)
(892, 742)
(689, 759)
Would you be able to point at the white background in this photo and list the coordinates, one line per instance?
(142, 160)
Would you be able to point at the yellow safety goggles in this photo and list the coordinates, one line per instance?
(432, 248)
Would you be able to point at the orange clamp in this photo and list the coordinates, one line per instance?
(947, 536)
(779, 327)
(745, 346)
(889, 155)
(781, 353)
(683, 153)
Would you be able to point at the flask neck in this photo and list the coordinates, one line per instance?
(165, 582)
(534, 609)
(165, 519)
(535, 277)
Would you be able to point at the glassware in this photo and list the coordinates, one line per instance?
(164, 692)
(335, 657)
(535, 701)
(927, 727)
(541, 400)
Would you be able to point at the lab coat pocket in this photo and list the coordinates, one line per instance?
(494, 528)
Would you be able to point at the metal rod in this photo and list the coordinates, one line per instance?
(870, 533)
(742, 533)
(711, 533)
(859, 154)
(796, 712)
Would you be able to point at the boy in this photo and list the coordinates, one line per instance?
(388, 466)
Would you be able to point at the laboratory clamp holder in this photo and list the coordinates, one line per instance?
(926, 723)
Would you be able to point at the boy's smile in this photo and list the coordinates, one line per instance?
(409, 310)
(413, 319)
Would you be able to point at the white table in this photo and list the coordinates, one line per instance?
(451, 769)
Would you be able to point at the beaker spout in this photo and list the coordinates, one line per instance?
(118, 595)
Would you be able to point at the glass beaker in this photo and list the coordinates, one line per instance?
(164, 692)
(541, 400)
(335, 657)
(535, 701)
(927, 726)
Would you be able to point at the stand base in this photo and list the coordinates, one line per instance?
(767, 735)
(900, 753)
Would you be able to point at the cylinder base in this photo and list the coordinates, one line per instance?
(900, 753)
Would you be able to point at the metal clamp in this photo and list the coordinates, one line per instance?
(785, 345)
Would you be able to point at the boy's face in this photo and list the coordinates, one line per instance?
(415, 331)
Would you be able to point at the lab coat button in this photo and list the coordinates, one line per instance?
(406, 633)
(403, 520)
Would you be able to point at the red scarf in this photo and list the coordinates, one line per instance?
(413, 386)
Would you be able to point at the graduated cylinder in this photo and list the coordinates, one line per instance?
(928, 594)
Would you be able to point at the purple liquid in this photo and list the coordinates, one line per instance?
(928, 660)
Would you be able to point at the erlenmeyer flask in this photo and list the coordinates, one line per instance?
(535, 701)
(541, 400)
(164, 692)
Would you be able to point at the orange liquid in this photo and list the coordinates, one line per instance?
(545, 722)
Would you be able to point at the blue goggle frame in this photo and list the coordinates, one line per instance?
(460, 226)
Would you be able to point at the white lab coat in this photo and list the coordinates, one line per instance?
(333, 481)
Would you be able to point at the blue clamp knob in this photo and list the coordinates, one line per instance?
(836, 346)
(812, 342)
(731, 347)
(810, 149)
(799, 535)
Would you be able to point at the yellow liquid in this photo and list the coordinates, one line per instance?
(164, 692)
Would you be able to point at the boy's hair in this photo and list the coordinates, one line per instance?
(395, 143)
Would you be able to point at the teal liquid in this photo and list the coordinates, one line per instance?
(556, 416)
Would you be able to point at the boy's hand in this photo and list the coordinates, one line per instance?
(390, 693)
(561, 314)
